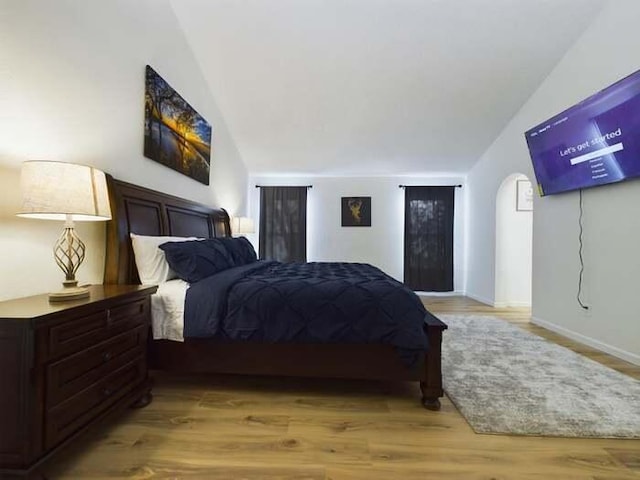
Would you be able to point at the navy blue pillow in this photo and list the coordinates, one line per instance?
(240, 250)
(193, 261)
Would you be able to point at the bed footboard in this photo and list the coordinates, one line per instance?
(431, 385)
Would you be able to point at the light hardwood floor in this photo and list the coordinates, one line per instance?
(225, 427)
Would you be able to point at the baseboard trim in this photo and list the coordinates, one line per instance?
(480, 299)
(511, 304)
(439, 294)
(591, 342)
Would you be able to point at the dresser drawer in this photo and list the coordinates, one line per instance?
(72, 414)
(73, 374)
(80, 333)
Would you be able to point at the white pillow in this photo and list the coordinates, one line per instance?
(153, 268)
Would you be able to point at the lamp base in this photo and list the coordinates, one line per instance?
(69, 293)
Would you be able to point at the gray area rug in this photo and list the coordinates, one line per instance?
(505, 380)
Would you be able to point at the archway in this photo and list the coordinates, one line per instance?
(514, 240)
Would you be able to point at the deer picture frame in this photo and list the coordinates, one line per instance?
(356, 211)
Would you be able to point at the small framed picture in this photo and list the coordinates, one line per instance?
(356, 211)
(524, 196)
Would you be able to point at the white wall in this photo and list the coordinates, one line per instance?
(72, 83)
(604, 54)
(514, 238)
(382, 244)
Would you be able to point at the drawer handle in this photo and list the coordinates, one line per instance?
(106, 357)
(108, 315)
(107, 391)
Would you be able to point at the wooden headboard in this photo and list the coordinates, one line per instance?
(143, 211)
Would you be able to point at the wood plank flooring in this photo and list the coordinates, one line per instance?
(226, 427)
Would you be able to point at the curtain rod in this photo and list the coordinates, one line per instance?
(455, 186)
(280, 186)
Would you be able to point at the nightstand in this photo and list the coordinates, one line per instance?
(65, 366)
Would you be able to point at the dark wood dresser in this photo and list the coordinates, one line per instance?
(64, 366)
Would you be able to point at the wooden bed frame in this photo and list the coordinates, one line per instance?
(148, 212)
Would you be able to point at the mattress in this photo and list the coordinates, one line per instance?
(167, 310)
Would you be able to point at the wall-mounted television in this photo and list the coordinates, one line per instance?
(592, 143)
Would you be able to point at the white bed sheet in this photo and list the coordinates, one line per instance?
(167, 310)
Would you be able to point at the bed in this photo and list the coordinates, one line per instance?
(143, 211)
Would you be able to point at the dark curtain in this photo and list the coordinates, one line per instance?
(428, 238)
(283, 224)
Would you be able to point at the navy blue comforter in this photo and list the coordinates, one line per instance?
(277, 302)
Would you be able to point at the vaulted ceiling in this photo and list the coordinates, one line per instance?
(375, 87)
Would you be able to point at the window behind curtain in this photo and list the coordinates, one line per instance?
(428, 238)
(283, 224)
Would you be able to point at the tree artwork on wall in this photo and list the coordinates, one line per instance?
(356, 211)
(175, 135)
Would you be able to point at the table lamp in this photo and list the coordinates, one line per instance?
(68, 192)
(241, 226)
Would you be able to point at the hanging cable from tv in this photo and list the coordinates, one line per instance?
(579, 295)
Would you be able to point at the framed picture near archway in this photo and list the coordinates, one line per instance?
(524, 196)
(356, 211)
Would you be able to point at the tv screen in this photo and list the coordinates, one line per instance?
(592, 143)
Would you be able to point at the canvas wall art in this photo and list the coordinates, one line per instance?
(175, 135)
(356, 211)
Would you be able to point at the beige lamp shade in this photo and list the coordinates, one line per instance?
(64, 191)
(242, 225)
